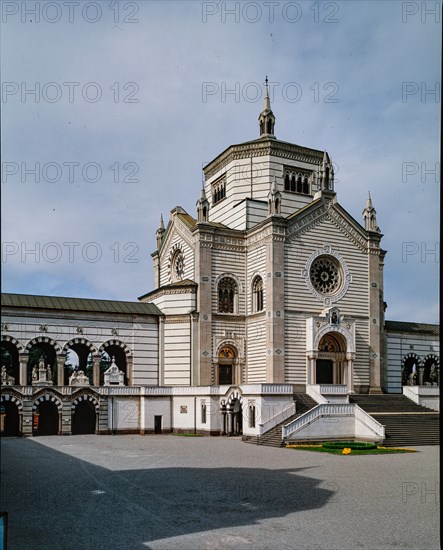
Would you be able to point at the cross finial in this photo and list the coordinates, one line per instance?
(266, 80)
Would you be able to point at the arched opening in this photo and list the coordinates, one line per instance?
(38, 350)
(113, 350)
(287, 184)
(46, 419)
(331, 359)
(430, 374)
(305, 186)
(226, 366)
(293, 184)
(9, 357)
(410, 367)
(78, 358)
(257, 294)
(11, 419)
(84, 418)
(227, 295)
(299, 184)
(237, 417)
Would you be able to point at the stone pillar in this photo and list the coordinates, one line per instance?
(23, 369)
(229, 427)
(65, 417)
(350, 372)
(376, 314)
(60, 377)
(96, 359)
(203, 276)
(275, 302)
(421, 372)
(129, 369)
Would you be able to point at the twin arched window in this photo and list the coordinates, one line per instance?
(257, 294)
(227, 295)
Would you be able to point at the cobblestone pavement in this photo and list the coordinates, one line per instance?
(171, 492)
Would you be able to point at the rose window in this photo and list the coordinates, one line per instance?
(325, 275)
(178, 266)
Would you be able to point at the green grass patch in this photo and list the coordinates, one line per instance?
(349, 447)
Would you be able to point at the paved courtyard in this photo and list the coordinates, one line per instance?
(171, 492)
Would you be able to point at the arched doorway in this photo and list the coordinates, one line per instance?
(331, 359)
(11, 419)
(237, 417)
(46, 419)
(84, 418)
(226, 366)
(232, 414)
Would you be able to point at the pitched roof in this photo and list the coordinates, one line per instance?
(412, 328)
(30, 301)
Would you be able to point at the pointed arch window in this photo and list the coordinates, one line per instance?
(299, 184)
(257, 294)
(297, 181)
(287, 183)
(227, 295)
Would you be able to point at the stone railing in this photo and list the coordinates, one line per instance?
(280, 417)
(427, 396)
(369, 421)
(275, 389)
(313, 390)
(338, 409)
(324, 409)
(333, 389)
(119, 390)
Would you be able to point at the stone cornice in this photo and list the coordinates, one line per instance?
(266, 147)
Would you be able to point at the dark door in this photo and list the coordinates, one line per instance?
(158, 424)
(83, 421)
(324, 371)
(225, 375)
(11, 419)
(48, 419)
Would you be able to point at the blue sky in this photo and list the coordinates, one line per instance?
(133, 98)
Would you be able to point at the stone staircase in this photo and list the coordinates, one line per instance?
(405, 422)
(273, 437)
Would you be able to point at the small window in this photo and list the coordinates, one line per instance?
(203, 413)
(299, 185)
(257, 294)
(252, 416)
(219, 190)
(287, 184)
(227, 295)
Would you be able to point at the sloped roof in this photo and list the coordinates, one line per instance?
(28, 301)
(412, 328)
(185, 283)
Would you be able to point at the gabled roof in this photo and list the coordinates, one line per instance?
(412, 328)
(30, 301)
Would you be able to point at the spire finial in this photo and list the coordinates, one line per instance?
(266, 118)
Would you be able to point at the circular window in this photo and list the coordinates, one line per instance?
(325, 275)
(178, 266)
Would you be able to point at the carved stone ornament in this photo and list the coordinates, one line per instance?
(326, 275)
